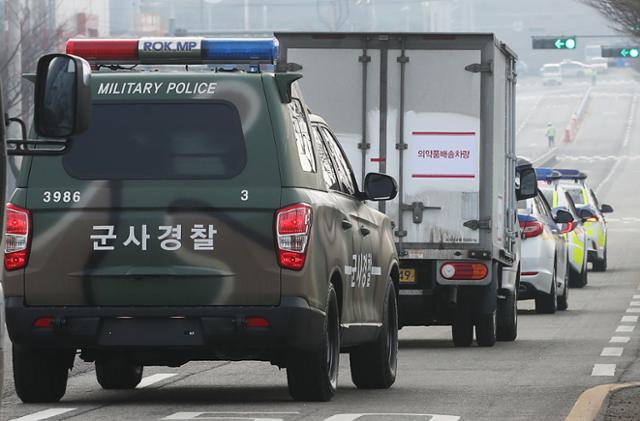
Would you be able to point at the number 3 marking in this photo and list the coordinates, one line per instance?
(244, 195)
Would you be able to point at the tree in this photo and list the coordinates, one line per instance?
(623, 14)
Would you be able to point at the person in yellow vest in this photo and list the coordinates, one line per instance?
(550, 132)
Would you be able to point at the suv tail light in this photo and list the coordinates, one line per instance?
(531, 229)
(569, 226)
(473, 271)
(293, 224)
(17, 229)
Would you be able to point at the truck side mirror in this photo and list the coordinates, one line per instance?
(62, 96)
(380, 187)
(528, 184)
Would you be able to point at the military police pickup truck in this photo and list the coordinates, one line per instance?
(204, 214)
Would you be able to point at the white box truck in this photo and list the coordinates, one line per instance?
(437, 112)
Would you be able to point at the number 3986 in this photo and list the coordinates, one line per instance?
(61, 196)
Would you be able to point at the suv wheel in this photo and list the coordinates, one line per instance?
(486, 329)
(578, 279)
(118, 373)
(600, 265)
(313, 375)
(547, 303)
(373, 365)
(462, 329)
(41, 376)
(563, 300)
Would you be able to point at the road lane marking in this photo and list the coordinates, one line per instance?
(625, 328)
(228, 415)
(636, 297)
(619, 339)
(396, 416)
(611, 352)
(43, 415)
(629, 319)
(633, 310)
(154, 378)
(603, 370)
(634, 303)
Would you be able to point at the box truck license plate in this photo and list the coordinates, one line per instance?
(407, 276)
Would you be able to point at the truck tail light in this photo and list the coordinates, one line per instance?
(17, 231)
(473, 271)
(293, 225)
(531, 229)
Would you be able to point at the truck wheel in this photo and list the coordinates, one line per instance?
(507, 329)
(373, 365)
(600, 265)
(486, 329)
(41, 376)
(118, 373)
(462, 329)
(313, 375)
(547, 303)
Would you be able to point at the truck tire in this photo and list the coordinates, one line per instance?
(547, 303)
(118, 373)
(462, 329)
(486, 329)
(374, 365)
(507, 329)
(40, 376)
(600, 265)
(313, 375)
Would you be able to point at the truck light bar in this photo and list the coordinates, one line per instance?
(184, 50)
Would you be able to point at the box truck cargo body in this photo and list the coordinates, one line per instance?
(437, 112)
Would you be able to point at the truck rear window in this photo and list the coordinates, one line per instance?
(159, 141)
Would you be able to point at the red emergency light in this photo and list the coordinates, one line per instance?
(104, 50)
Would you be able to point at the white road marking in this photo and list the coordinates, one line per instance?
(154, 378)
(625, 328)
(393, 416)
(636, 297)
(603, 370)
(619, 339)
(228, 415)
(629, 319)
(611, 352)
(633, 310)
(634, 303)
(43, 415)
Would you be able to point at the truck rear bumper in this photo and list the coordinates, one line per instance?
(210, 332)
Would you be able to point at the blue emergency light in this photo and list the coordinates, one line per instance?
(182, 50)
(550, 174)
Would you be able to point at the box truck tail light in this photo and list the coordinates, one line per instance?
(17, 230)
(531, 229)
(293, 224)
(473, 271)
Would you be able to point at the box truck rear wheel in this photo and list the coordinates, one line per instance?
(313, 375)
(486, 329)
(373, 365)
(118, 373)
(41, 376)
(462, 329)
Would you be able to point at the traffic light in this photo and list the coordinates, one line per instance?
(562, 42)
(621, 52)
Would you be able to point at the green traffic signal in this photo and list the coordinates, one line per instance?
(634, 53)
(570, 43)
(562, 42)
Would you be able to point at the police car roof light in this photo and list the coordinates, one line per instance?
(176, 50)
(104, 50)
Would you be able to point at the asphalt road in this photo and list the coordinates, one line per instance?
(539, 376)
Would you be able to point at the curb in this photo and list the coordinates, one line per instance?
(591, 401)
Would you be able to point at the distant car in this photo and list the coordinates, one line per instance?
(574, 232)
(543, 271)
(590, 209)
(551, 75)
(599, 64)
(577, 69)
